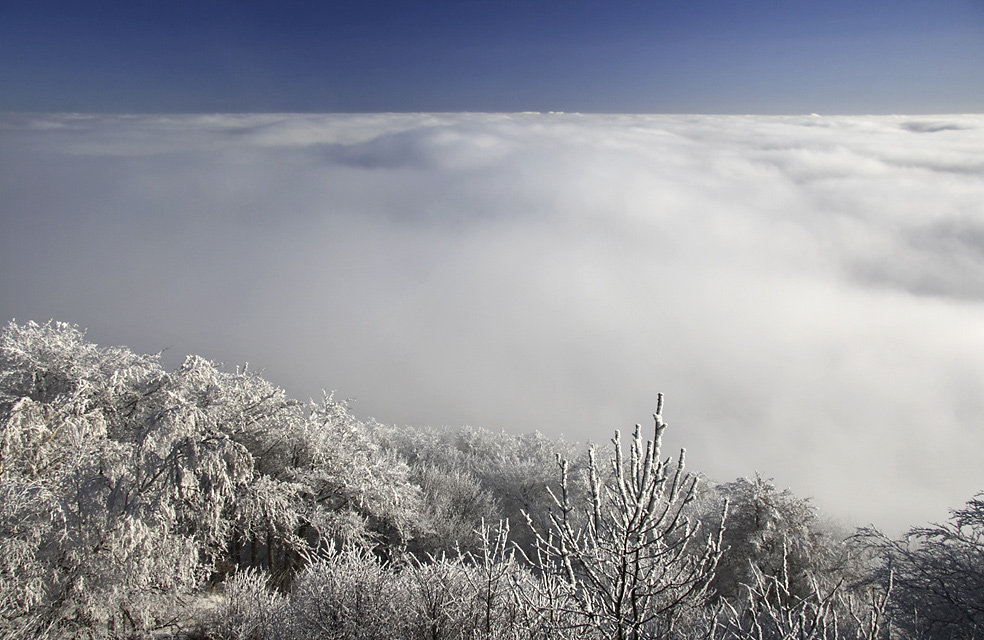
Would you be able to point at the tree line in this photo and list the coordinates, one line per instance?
(204, 503)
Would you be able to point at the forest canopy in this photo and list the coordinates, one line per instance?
(204, 502)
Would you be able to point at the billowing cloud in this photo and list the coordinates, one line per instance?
(807, 291)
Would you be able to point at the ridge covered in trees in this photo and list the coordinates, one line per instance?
(205, 503)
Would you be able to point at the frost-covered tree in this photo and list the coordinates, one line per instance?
(127, 490)
(517, 471)
(112, 491)
(471, 475)
(124, 486)
(775, 534)
(937, 575)
(639, 562)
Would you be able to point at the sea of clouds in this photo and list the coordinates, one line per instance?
(808, 292)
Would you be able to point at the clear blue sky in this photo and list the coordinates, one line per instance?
(692, 56)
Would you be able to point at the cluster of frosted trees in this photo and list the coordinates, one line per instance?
(136, 502)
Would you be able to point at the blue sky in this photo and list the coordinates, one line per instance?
(662, 56)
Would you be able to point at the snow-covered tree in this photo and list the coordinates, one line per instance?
(470, 475)
(639, 562)
(774, 533)
(113, 492)
(124, 486)
(937, 575)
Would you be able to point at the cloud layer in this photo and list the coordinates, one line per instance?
(807, 291)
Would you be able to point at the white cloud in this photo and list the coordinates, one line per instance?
(806, 291)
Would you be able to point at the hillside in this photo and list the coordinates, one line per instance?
(138, 502)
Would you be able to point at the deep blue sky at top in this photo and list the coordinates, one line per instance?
(694, 56)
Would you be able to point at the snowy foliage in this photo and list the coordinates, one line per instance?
(138, 502)
(123, 485)
(471, 475)
(111, 495)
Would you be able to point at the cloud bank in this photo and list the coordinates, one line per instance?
(807, 291)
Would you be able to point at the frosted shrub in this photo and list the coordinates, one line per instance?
(353, 595)
(248, 610)
(511, 601)
(348, 595)
(476, 595)
(442, 604)
(495, 577)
